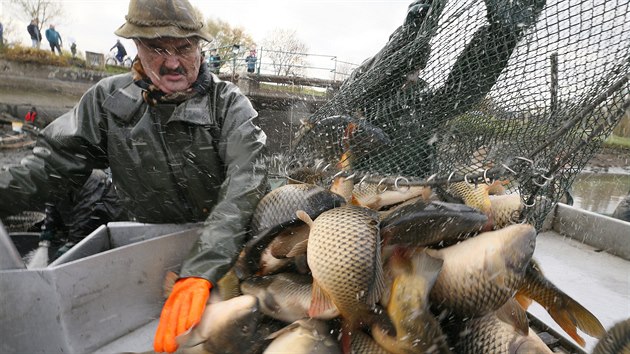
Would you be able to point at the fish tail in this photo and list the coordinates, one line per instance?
(571, 315)
(565, 320)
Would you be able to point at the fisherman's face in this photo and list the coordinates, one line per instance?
(172, 64)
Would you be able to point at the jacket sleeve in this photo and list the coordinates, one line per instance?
(66, 152)
(242, 148)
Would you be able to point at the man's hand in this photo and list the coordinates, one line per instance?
(182, 310)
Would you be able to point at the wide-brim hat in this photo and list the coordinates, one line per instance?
(163, 18)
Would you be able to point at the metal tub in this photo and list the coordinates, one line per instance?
(106, 287)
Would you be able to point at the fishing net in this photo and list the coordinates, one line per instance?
(477, 91)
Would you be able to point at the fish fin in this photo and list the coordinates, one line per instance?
(565, 320)
(497, 187)
(379, 279)
(387, 342)
(347, 328)
(523, 300)
(572, 315)
(169, 281)
(320, 301)
(428, 267)
(299, 249)
(302, 215)
(567, 312)
(512, 313)
(434, 253)
(283, 330)
(343, 186)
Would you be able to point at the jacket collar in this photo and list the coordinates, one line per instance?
(125, 102)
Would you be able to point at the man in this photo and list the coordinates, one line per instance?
(251, 61)
(214, 61)
(1, 35)
(54, 39)
(120, 51)
(182, 145)
(31, 115)
(35, 33)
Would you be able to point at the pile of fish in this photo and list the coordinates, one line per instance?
(360, 269)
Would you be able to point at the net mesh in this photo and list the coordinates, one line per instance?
(523, 91)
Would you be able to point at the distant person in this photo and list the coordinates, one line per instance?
(120, 51)
(30, 116)
(251, 61)
(1, 35)
(214, 61)
(73, 49)
(54, 39)
(35, 33)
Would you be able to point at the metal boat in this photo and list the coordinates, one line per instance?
(105, 294)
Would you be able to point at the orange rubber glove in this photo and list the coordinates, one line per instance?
(182, 310)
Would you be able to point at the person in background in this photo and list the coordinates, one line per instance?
(73, 49)
(214, 61)
(251, 61)
(35, 33)
(1, 35)
(183, 147)
(120, 51)
(30, 116)
(54, 39)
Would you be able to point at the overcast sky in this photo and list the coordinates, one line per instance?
(352, 30)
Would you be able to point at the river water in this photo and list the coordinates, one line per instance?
(600, 192)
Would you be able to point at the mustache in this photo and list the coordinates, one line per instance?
(179, 70)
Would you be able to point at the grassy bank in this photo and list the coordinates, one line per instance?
(46, 57)
(617, 142)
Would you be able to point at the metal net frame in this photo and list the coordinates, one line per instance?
(523, 91)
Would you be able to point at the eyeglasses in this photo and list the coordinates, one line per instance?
(186, 49)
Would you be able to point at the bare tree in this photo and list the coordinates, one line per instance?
(44, 11)
(343, 69)
(286, 52)
(224, 38)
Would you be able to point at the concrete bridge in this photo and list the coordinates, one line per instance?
(280, 101)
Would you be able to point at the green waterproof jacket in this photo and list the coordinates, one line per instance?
(201, 160)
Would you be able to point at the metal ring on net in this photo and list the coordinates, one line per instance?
(396, 187)
(466, 180)
(380, 183)
(509, 169)
(318, 164)
(338, 174)
(547, 180)
(448, 180)
(525, 159)
(362, 180)
(529, 205)
(517, 217)
(485, 178)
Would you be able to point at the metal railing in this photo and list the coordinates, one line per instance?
(285, 63)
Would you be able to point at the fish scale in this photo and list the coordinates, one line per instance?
(481, 273)
(279, 205)
(344, 258)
